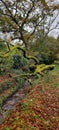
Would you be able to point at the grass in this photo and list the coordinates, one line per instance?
(56, 84)
(8, 87)
(55, 72)
(6, 128)
(39, 108)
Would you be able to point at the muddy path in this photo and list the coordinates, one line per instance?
(12, 101)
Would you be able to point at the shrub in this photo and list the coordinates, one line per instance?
(2, 69)
(47, 58)
(3, 46)
(19, 62)
(16, 61)
(6, 128)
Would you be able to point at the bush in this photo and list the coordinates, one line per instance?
(3, 46)
(19, 62)
(16, 61)
(47, 58)
(2, 69)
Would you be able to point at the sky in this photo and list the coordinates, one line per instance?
(54, 33)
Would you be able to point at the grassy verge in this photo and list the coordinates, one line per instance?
(8, 88)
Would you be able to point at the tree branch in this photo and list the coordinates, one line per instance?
(27, 16)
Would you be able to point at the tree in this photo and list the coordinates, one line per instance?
(24, 18)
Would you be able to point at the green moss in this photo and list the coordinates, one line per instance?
(43, 67)
(6, 128)
(34, 58)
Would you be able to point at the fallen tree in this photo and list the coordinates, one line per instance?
(35, 68)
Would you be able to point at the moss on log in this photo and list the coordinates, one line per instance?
(37, 69)
(43, 67)
(7, 54)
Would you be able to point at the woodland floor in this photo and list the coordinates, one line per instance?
(39, 110)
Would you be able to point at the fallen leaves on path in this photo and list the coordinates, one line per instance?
(39, 110)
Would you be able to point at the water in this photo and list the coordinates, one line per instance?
(11, 103)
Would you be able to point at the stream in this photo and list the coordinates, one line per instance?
(12, 101)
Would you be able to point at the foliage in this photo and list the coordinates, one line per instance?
(47, 58)
(17, 16)
(29, 22)
(2, 69)
(45, 50)
(32, 113)
(56, 84)
(20, 62)
(8, 86)
(2, 46)
(6, 128)
(16, 61)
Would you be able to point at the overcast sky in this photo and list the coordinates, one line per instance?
(55, 32)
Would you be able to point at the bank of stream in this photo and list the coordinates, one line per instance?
(12, 101)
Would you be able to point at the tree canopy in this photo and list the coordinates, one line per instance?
(23, 19)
